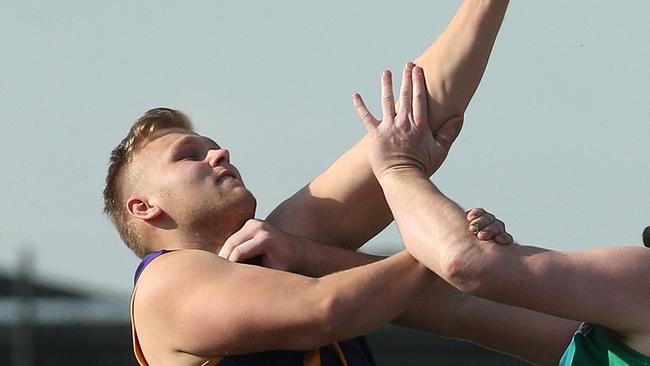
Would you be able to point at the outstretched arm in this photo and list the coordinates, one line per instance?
(344, 206)
(604, 286)
(215, 307)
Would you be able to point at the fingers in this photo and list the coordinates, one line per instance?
(420, 115)
(235, 240)
(251, 228)
(487, 227)
(406, 90)
(474, 213)
(387, 98)
(247, 250)
(491, 231)
(364, 114)
(448, 131)
(481, 222)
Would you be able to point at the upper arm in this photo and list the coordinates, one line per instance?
(604, 286)
(216, 307)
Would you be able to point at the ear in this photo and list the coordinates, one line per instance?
(143, 209)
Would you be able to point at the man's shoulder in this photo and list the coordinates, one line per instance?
(168, 274)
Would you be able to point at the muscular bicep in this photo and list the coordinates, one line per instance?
(207, 306)
(603, 286)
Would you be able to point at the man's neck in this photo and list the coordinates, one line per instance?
(210, 238)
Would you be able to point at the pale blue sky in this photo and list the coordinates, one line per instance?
(555, 141)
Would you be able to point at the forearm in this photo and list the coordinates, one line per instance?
(445, 311)
(454, 64)
(433, 228)
(317, 260)
(343, 207)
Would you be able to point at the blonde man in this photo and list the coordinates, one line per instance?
(177, 202)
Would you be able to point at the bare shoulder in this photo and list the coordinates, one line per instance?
(169, 273)
(161, 292)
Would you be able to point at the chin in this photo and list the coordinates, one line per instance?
(248, 204)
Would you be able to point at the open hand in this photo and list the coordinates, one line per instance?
(403, 139)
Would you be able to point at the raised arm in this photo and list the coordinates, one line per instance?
(344, 206)
(604, 286)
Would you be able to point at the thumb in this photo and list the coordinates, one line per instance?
(446, 134)
(364, 114)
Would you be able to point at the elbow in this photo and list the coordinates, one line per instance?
(331, 320)
(325, 325)
(465, 267)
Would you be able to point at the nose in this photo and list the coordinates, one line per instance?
(218, 156)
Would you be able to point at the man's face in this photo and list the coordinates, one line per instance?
(190, 177)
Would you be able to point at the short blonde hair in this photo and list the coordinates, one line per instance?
(151, 123)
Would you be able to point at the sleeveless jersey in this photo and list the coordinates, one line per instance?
(354, 352)
(595, 345)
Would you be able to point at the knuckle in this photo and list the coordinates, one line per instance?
(264, 236)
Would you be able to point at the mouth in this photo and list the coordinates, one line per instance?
(225, 174)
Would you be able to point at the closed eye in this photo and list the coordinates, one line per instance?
(192, 148)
